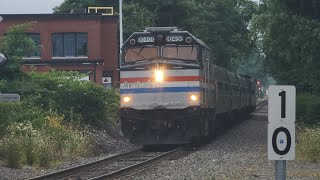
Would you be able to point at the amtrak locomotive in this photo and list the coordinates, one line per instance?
(173, 93)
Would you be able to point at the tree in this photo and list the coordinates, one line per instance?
(68, 5)
(307, 8)
(290, 43)
(16, 44)
(136, 18)
(222, 24)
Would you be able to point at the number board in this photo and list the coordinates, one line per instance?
(282, 104)
(146, 39)
(174, 38)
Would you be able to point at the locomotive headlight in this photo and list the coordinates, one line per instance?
(158, 75)
(126, 99)
(193, 97)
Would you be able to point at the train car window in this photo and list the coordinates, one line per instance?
(181, 52)
(140, 53)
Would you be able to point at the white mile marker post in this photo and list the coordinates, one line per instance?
(281, 127)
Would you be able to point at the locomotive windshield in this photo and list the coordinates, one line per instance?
(187, 53)
(140, 53)
(180, 52)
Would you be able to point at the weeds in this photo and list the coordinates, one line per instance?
(26, 144)
(308, 147)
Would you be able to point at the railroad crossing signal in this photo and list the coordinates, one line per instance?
(281, 117)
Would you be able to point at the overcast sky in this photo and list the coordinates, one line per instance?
(28, 6)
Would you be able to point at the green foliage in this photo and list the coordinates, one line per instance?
(290, 43)
(67, 5)
(222, 24)
(308, 146)
(15, 44)
(136, 18)
(20, 112)
(63, 92)
(53, 142)
(308, 109)
(307, 8)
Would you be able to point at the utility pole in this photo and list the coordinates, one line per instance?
(120, 30)
(121, 26)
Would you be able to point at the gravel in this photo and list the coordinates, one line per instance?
(240, 153)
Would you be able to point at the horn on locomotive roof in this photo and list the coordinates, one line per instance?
(161, 29)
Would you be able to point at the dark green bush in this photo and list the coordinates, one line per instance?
(64, 93)
(308, 109)
(44, 127)
(19, 112)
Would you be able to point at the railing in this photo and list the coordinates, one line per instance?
(105, 11)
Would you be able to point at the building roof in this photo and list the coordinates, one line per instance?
(56, 16)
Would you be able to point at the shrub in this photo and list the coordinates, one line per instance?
(63, 92)
(308, 147)
(20, 112)
(45, 126)
(307, 109)
(54, 142)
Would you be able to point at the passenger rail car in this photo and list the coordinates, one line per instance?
(173, 93)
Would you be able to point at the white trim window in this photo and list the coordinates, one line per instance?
(69, 45)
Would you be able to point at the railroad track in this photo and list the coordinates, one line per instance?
(261, 112)
(118, 165)
(261, 104)
(112, 167)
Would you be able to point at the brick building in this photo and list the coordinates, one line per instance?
(80, 42)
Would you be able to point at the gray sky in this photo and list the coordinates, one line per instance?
(28, 6)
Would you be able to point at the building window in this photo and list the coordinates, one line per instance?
(36, 39)
(70, 44)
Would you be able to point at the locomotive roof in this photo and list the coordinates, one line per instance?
(150, 30)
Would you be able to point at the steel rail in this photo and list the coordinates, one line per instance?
(136, 166)
(261, 104)
(85, 167)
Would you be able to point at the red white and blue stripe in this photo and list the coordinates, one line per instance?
(173, 92)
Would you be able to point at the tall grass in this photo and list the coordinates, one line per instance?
(308, 147)
(25, 144)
